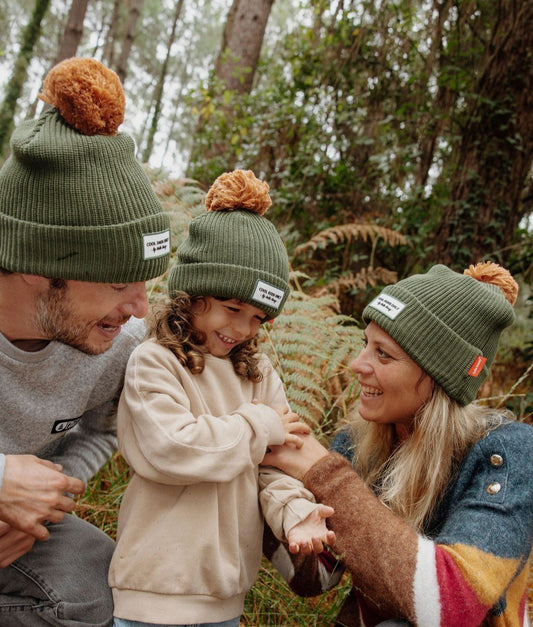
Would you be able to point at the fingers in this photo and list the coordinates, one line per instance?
(293, 440)
(297, 427)
(325, 511)
(35, 491)
(331, 538)
(13, 544)
(308, 547)
(74, 485)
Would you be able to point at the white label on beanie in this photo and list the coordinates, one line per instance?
(268, 294)
(156, 244)
(388, 305)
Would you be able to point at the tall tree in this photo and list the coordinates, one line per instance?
(232, 79)
(241, 44)
(108, 53)
(73, 30)
(134, 12)
(158, 95)
(29, 38)
(493, 158)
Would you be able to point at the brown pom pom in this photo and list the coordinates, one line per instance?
(88, 95)
(239, 189)
(488, 272)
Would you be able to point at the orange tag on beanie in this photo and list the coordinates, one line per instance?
(477, 366)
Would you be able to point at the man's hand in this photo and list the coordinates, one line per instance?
(13, 544)
(311, 534)
(33, 491)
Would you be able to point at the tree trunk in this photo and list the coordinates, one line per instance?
(234, 75)
(495, 154)
(73, 31)
(30, 35)
(108, 55)
(129, 36)
(241, 43)
(158, 96)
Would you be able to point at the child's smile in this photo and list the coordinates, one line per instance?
(226, 323)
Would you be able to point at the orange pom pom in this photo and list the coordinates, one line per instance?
(239, 189)
(488, 272)
(88, 95)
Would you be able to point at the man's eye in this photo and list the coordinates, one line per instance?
(119, 288)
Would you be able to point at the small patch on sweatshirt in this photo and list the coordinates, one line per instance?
(268, 294)
(388, 305)
(64, 425)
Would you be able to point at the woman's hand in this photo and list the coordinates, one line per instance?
(296, 461)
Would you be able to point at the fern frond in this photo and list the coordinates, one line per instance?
(366, 277)
(351, 232)
(311, 346)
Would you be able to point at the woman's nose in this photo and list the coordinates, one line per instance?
(360, 364)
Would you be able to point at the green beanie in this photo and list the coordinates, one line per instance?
(232, 251)
(449, 323)
(74, 201)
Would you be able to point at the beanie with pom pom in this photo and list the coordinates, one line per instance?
(233, 251)
(449, 323)
(74, 201)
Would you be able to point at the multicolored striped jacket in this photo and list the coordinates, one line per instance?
(469, 568)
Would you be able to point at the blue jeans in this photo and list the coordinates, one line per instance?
(121, 622)
(60, 582)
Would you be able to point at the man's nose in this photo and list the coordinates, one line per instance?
(136, 302)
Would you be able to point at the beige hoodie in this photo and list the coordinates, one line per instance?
(190, 524)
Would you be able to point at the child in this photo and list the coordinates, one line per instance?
(200, 407)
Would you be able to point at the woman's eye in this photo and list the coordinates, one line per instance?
(382, 354)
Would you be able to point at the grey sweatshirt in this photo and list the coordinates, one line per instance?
(60, 404)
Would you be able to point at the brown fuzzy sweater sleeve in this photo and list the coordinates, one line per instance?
(377, 547)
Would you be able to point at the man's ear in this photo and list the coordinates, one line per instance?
(34, 280)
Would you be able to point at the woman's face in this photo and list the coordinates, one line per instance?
(393, 386)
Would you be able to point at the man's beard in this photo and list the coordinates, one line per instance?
(57, 322)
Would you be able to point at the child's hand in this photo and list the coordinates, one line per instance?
(311, 534)
(292, 425)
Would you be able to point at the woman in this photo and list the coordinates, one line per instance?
(433, 494)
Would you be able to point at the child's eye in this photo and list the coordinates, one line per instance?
(232, 309)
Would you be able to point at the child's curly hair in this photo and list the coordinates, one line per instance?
(172, 327)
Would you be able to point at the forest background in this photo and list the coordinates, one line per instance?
(394, 134)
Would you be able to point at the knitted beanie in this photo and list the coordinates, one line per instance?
(232, 251)
(74, 201)
(449, 323)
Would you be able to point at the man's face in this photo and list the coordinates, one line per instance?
(88, 316)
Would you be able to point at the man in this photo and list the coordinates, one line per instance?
(81, 230)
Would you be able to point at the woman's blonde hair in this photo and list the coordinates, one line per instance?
(411, 476)
(172, 325)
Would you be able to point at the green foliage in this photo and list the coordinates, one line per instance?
(310, 345)
(271, 602)
(28, 41)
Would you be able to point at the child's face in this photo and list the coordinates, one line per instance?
(226, 323)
